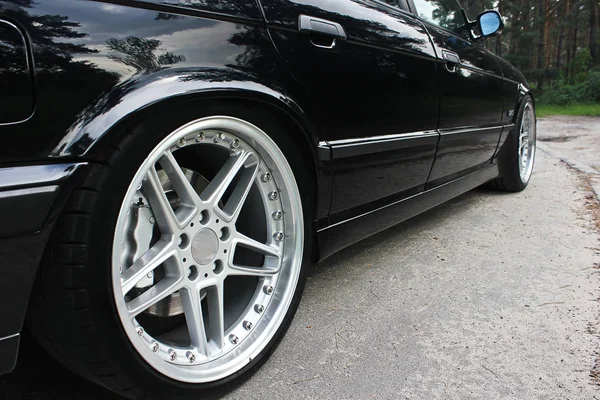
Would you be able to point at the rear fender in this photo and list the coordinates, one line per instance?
(129, 101)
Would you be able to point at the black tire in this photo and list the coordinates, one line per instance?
(73, 312)
(511, 180)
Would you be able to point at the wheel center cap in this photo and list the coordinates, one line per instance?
(205, 246)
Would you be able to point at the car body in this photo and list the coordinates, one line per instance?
(393, 114)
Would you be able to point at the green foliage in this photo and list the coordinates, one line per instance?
(589, 110)
(581, 65)
(586, 90)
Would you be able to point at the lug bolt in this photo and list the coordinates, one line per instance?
(140, 331)
(266, 177)
(181, 142)
(247, 325)
(234, 339)
(277, 215)
(200, 137)
(219, 137)
(190, 356)
(268, 289)
(259, 308)
(152, 220)
(273, 195)
(150, 275)
(235, 144)
(278, 236)
(154, 347)
(172, 355)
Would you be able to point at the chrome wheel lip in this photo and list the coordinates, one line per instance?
(527, 143)
(250, 339)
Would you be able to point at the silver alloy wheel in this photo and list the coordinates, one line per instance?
(190, 246)
(527, 145)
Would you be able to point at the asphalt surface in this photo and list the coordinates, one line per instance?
(489, 296)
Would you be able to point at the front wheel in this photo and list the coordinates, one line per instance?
(195, 254)
(520, 148)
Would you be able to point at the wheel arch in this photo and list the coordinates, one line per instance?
(132, 102)
(503, 150)
(140, 96)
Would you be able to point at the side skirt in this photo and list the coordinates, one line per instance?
(345, 233)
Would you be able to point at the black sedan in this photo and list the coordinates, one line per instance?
(169, 169)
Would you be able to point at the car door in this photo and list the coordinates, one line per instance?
(371, 71)
(471, 92)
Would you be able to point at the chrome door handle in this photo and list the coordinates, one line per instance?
(333, 30)
(452, 60)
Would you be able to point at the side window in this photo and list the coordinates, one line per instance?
(444, 13)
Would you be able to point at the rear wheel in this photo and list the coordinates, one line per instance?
(191, 256)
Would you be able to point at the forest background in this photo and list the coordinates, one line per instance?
(556, 44)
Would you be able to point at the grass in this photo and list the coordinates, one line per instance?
(588, 110)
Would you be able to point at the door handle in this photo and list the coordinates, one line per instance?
(452, 60)
(328, 30)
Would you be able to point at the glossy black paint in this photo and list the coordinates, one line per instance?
(471, 105)
(338, 236)
(391, 131)
(9, 348)
(247, 10)
(21, 250)
(379, 81)
(99, 63)
(16, 77)
(368, 174)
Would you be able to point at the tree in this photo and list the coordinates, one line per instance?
(141, 54)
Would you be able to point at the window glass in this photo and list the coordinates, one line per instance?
(444, 13)
(394, 3)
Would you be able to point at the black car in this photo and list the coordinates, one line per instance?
(171, 168)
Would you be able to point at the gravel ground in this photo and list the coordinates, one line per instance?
(489, 296)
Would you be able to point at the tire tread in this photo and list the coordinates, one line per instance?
(61, 296)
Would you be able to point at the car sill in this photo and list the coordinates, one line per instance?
(342, 234)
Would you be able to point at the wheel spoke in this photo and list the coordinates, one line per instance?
(156, 293)
(272, 267)
(260, 272)
(238, 197)
(216, 316)
(251, 244)
(161, 208)
(524, 143)
(192, 308)
(190, 201)
(223, 180)
(151, 259)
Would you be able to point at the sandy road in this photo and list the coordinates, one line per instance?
(489, 296)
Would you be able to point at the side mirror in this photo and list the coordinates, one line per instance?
(489, 24)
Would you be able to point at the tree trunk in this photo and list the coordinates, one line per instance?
(593, 35)
(568, 38)
(559, 45)
(547, 23)
(574, 44)
(541, 44)
(498, 39)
